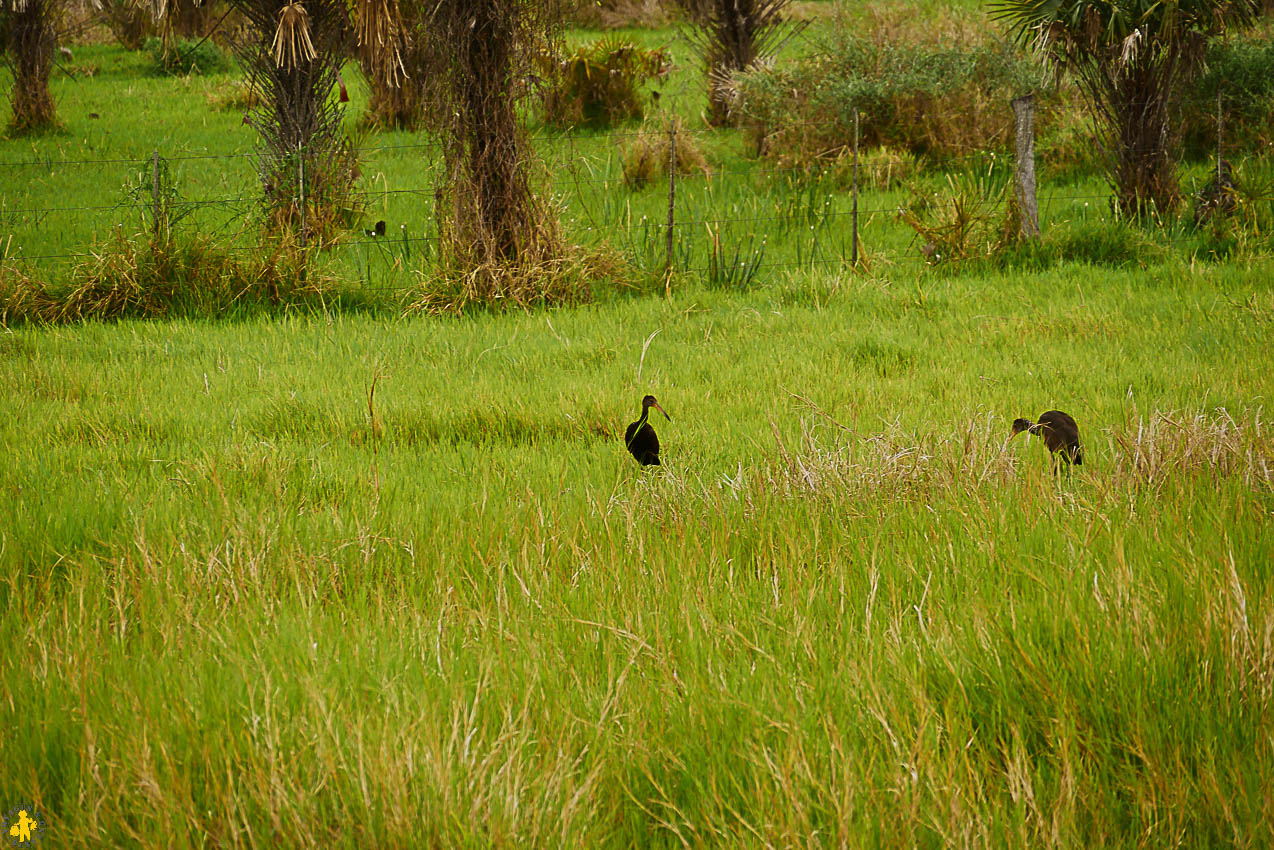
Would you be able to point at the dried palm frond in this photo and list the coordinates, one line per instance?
(378, 31)
(292, 38)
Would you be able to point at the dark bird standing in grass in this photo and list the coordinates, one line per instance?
(640, 437)
(1060, 433)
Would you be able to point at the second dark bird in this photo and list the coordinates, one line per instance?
(1060, 435)
(640, 437)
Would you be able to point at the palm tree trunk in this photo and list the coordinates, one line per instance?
(1145, 173)
(32, 39)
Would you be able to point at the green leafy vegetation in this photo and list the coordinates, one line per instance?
(600, 84)
(930, 100)
(1242, 73)
(186, 56)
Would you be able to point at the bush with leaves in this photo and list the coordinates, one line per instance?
(601, 83)
(971, 217)
(930, 101)
(183, 57)
(1242, 72)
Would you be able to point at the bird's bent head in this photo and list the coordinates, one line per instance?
(649, 401)
(1020, 425)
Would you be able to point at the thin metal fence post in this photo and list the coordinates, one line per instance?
(672, 198)
(300, 172)
(154, 193)
(853, 251)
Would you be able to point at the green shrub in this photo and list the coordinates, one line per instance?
(600, 84)
(937, 102)
(186, 57)
(1239, 226)
(1243, 72)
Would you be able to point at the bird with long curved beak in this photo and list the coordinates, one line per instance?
(1060, 435)
(640, 438)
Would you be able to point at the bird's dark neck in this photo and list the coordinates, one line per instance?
(645, 412)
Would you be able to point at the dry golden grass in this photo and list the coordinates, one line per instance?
(646, 157)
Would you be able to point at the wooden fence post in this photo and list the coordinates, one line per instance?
(1024, 138)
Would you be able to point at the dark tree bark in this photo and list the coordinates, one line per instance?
(483, 50)
(30, 38)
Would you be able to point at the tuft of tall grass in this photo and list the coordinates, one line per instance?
(23, 297)
(564, 277)
(145, 277)
(649, 154)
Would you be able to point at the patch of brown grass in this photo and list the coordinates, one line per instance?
(23, 298)
(646, 157)
(233, 96)
(145, 277)
(552, 279)
(621, 14)
(1148, 450)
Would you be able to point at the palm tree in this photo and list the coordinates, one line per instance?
(28, 29)
(732, 36)
(1131, 59)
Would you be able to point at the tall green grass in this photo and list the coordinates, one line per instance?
(242, 603)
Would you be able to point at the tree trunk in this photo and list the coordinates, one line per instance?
(32, 39)
(1145, 172)
(493, 195)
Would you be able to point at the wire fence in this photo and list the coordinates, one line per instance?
(732, 221)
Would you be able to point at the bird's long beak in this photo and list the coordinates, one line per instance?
(661, 410)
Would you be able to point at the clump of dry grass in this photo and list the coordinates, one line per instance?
(23, 298)
(646, 157)
(234, 96)
(148, 277)
(1148, 450)
(878, 168)
(549, 279)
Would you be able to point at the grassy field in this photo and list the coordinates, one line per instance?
(359, 579)
(239, 609)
